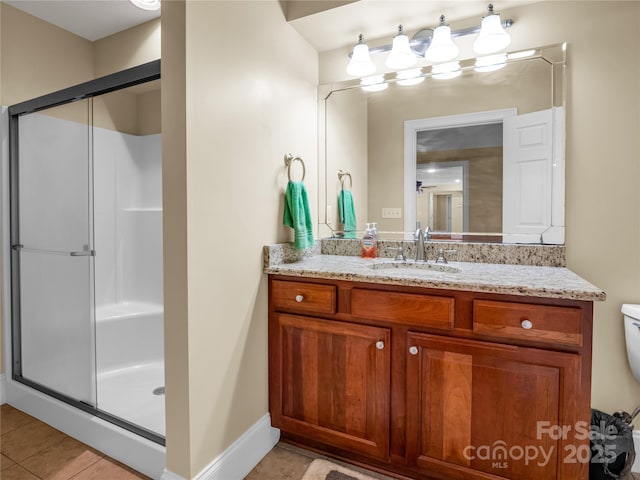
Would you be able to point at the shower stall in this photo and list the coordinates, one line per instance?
(85, 180)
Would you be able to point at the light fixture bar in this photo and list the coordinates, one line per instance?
(421, 40)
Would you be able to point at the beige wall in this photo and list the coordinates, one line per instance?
(603, 148)
(174, 223)
(39, 58)
(126, 49)
(130, 110)
(245, 108)
(149, 113)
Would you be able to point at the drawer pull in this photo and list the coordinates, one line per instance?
(413, 350)
(527, 325)
(380, 345)
(299, 298)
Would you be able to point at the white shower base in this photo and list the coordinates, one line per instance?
(127, 393)
(130, 363)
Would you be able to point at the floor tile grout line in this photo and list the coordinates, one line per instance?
(100, 455)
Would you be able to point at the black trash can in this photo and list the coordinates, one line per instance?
(612, 449)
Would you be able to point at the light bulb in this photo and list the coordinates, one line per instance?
(401, 54)
(492, 37)
(409, 77)
(490, 63)
(147, 4)
(442, 48)
(360, 64)
(373, 84)
(446, 71)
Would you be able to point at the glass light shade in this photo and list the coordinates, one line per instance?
(442, 48)
(407, 78)
(360, 64)
(147, 4)
(401, 54)
(490, 63)
(373, 84)
(492, 37)
(446, 71)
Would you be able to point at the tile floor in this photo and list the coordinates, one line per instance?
(32, 450)
(286, 462)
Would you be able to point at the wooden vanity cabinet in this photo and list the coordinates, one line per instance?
(334, 382)
(432, 384)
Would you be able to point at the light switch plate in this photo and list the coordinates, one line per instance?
(392, 212)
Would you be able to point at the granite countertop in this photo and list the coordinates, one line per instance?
(537, 281)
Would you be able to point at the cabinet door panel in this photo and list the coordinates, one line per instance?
(335, 383)
(483, 410)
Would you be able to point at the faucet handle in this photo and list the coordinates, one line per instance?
(441, 258)
(400, 254)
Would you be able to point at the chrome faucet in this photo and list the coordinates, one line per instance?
(420, 237)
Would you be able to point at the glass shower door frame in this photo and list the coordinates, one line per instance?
(126, 78)
(53, 253)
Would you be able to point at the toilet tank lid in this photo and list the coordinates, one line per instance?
(631, 310)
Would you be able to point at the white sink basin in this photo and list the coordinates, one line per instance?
(413, 266)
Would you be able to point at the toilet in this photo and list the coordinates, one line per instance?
(632, 334)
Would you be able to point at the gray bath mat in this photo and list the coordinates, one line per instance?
(325, 470)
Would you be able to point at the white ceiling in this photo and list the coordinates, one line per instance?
(339, 27)
(91, 19)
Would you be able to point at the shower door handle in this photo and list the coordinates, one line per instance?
(83, 253)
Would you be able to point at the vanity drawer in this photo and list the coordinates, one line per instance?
(408, 308)
(541, 323)
(303, 297)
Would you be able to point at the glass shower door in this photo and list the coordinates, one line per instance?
(54, 257)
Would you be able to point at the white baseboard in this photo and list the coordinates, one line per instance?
(3, 388)
(168, 475)
(241, 457)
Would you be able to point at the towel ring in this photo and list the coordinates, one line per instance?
(341, 176)
(288, 160)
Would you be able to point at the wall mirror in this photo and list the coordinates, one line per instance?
(477, 157)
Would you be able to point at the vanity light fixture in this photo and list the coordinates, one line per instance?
(490, 63)
(147, 4)
(442, 48)
(373, 84)
(401, 54)
(360, 64)
(446, 71)
(493, 37)
(436, 45)
(410, 77)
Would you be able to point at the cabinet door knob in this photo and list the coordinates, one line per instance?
(413, 350)
(380, 345)
(526, 324)
(299, 298)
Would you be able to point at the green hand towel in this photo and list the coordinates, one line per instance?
(297, 214)
(347, 213)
